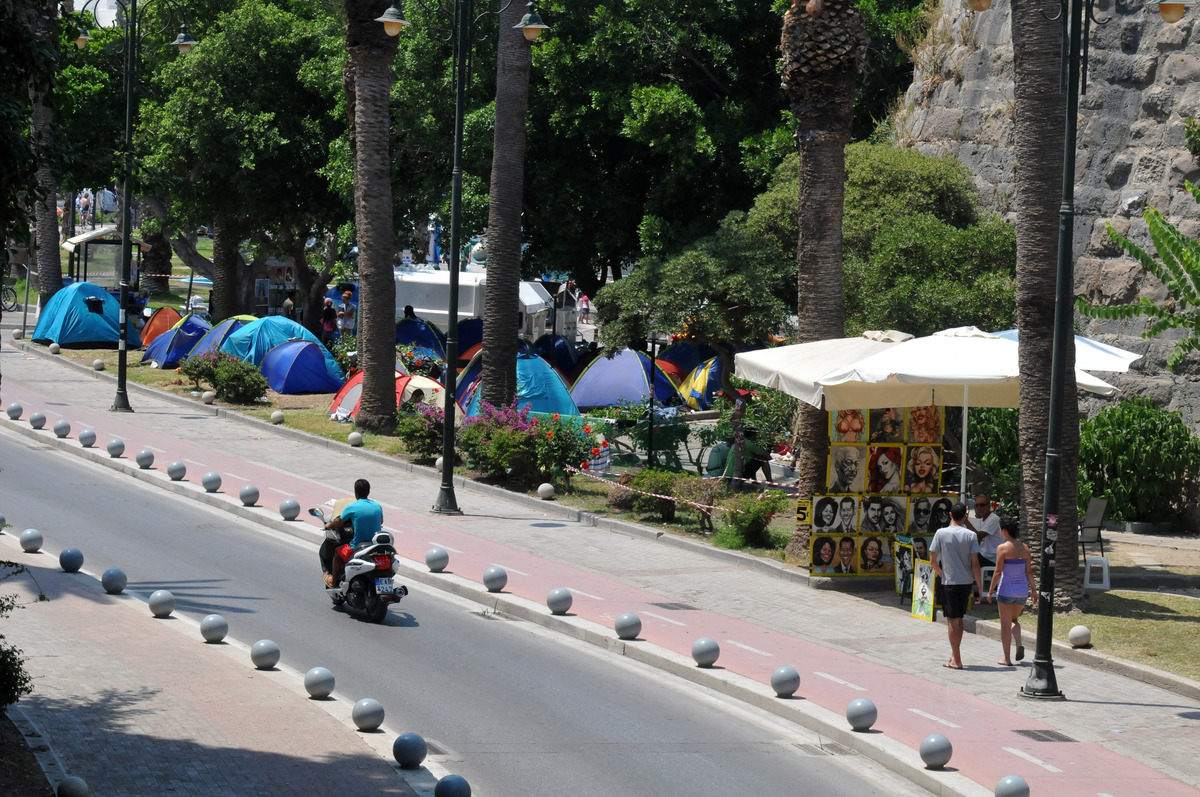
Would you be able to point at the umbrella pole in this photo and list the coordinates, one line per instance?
(962, 485)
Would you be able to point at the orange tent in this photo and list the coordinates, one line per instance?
(161, 320)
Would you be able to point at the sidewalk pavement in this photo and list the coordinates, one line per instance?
(1128, 730)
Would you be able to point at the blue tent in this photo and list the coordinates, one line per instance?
(687, 355)
(624, 379)
(83, 315)
(298, 366)
(252, 342)
(539, 387)
(470, 333)
(700, 388)
(467, 378)
(168, 349)
(558, 351)
(421, 333)
(213, 339)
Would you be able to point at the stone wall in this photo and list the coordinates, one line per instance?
(1143, 81)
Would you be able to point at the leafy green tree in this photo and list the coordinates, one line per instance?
(246, 122)
(1178, 268)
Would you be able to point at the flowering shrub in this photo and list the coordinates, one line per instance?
(203, 367)
(345, 353)
(507, 442)
(421, 431)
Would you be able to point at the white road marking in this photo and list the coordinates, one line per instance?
(235, 476)
(281, 492)
(157, 450)
(585, 594)
(665, 619)
(1031, 759)
(194, 462)
(446, 547)
(837, 680)
(514, 570)
(747, 647)
(929, 716)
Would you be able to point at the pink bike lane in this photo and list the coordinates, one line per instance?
(987, 745)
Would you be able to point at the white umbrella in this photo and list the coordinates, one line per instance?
(796, 369)
(961, 367)
(1092, 355)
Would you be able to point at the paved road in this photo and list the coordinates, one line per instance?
(511, 707)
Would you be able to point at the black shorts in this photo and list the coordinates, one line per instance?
(955, 598)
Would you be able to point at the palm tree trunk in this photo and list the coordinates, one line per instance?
(1039, 137)
(49, 265)
(506, 190)
(367, 81)
(226, 293)
(823, 46)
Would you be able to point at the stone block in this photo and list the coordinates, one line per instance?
(1181, 70)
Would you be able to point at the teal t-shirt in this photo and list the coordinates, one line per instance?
(367, 517)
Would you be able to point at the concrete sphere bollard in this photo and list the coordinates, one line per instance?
(213, 628)
(115, 448)
(319, 683)
(1012, 786)
(87, 438)
(73, 786)
(277, 417)
(785, 680)
(409, 750)
(37, 420)
(354, 439)
(208, 397)
(289, 509)
(1080, 636)
(144, 458)
(264, 654)
(31, 540)
(54, 348)
(70, 560)
(114, 581)
(62, 428)
(162, 603)
(16, 334)
(495, 578)
(176, 470)
(97, 365)
(437, 464)
(705, 651)
(452, 786)
(211, 481)
(545, 491)
(367, 714)
(936, 751)
(436, 559)
(14, 411)
(628, 626)
(248, 495)
(861, 714)
(3, 521)
(559, 600)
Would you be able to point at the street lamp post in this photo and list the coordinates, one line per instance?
(464, 21)
(1076, 16)
(129, 17)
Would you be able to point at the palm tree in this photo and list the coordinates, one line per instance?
(1039, 136)
(824, 43)
(367, 81)
(49, 266)
(506, 191)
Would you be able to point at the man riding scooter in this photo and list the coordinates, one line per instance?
(365, 517)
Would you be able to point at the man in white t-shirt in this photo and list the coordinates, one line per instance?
(986, 525)
(954, 555)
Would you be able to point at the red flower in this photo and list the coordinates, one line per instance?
(585, 466)
(595, 452)
(556, 416)
(587, 430)
(604, 444)
(549, 435)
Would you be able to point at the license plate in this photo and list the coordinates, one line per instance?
(384, 586)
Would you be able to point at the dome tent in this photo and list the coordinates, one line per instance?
(171, 347)
(252, 342)
(213, 339)
(345, 403)
(626, 378)
(700, 387)
(558, 351)
(539, 387)
(85, 316)
(298, 366)
(161, 321)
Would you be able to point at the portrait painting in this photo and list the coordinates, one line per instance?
(824, 554)
(923, 470)
(887, 425)
(925, 425)
(848, 426)
(846, 556)
(885, 470)
(922, 594)
(847, 468)
(902, 551)
(893, 515)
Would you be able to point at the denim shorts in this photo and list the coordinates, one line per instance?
(1006, 599)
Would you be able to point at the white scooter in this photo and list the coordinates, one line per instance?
(368, 580)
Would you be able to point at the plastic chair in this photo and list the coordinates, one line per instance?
(1093, 521)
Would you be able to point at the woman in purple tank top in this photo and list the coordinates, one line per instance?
(1012, 585)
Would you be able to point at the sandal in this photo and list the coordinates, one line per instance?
(1020, 652)
(329, 580)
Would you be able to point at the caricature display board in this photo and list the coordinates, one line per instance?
(923, 591)
(882, 481)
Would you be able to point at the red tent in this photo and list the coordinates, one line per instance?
(345, 403)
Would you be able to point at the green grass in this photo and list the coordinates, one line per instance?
(1153, 628)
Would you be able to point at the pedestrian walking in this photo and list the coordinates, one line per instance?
(954, 555)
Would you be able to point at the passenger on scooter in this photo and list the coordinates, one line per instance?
(366, 516)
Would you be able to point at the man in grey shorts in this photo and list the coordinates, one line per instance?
(954, 555)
